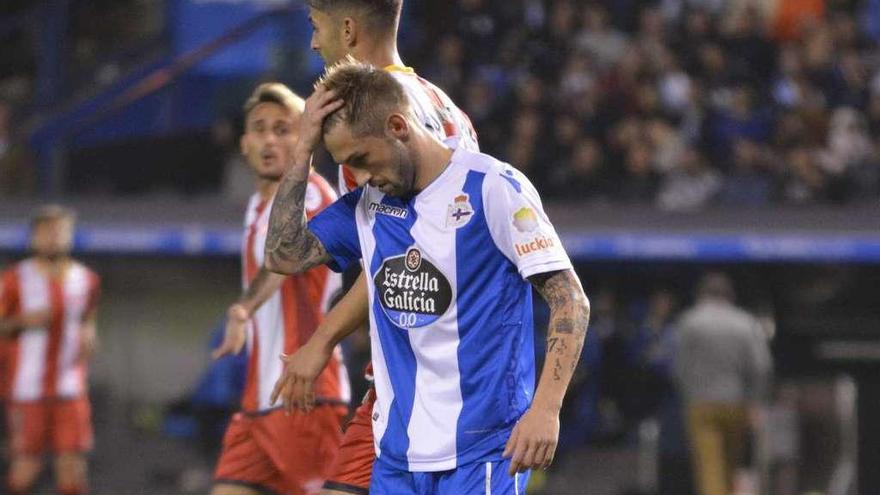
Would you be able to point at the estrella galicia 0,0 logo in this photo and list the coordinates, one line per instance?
(411, 290)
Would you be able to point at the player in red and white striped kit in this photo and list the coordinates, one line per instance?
(48, 304)
(264, 449)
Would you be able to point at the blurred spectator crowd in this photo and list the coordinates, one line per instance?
(94, 36)
(678, 103)
(681, 104)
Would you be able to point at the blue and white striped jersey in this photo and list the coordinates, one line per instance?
(451, 312)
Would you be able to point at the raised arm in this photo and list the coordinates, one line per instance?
(533, 441)
(290, 247)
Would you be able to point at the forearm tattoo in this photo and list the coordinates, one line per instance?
(290, 247)
(569, 317)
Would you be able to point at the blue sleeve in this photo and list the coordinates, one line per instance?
(336, 228)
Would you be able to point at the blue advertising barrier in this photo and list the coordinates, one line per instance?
(582, 246)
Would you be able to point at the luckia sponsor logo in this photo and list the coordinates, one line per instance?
(539, 243)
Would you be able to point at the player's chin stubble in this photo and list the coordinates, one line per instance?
(405, 171)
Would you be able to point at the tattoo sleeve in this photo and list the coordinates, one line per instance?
(569, 317)
(290, 247)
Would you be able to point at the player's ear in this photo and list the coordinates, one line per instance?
(242, 144)
(349, 31)
(397, 126)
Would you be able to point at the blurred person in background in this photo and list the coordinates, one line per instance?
(640, 181)
(477, 26)
(263, 448)
(749, 182)
(804, 180)
(49, 302)
(690, 186)
(582, 174)
(849, 140)
(791, 16)
(598, 37)
(723, 367)
(740, 118)
(448, 70)
(523, 148)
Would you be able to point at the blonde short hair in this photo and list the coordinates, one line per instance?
(369, 94)
(274, 92)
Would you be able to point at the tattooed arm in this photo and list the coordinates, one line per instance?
(569, 316)
(290, 247)
(533, 441)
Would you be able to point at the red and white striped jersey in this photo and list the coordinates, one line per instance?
(46, 362)
(434, 109)
(290, 316)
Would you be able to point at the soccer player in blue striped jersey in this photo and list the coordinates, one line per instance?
(367, 31)
(452, 241)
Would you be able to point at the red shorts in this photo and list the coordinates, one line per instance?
(354, 462)
(286, 455)
(50, 426)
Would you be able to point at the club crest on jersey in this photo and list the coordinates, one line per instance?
(459, 212)
(411, 290)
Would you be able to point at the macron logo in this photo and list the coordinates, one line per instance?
(391, 211)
